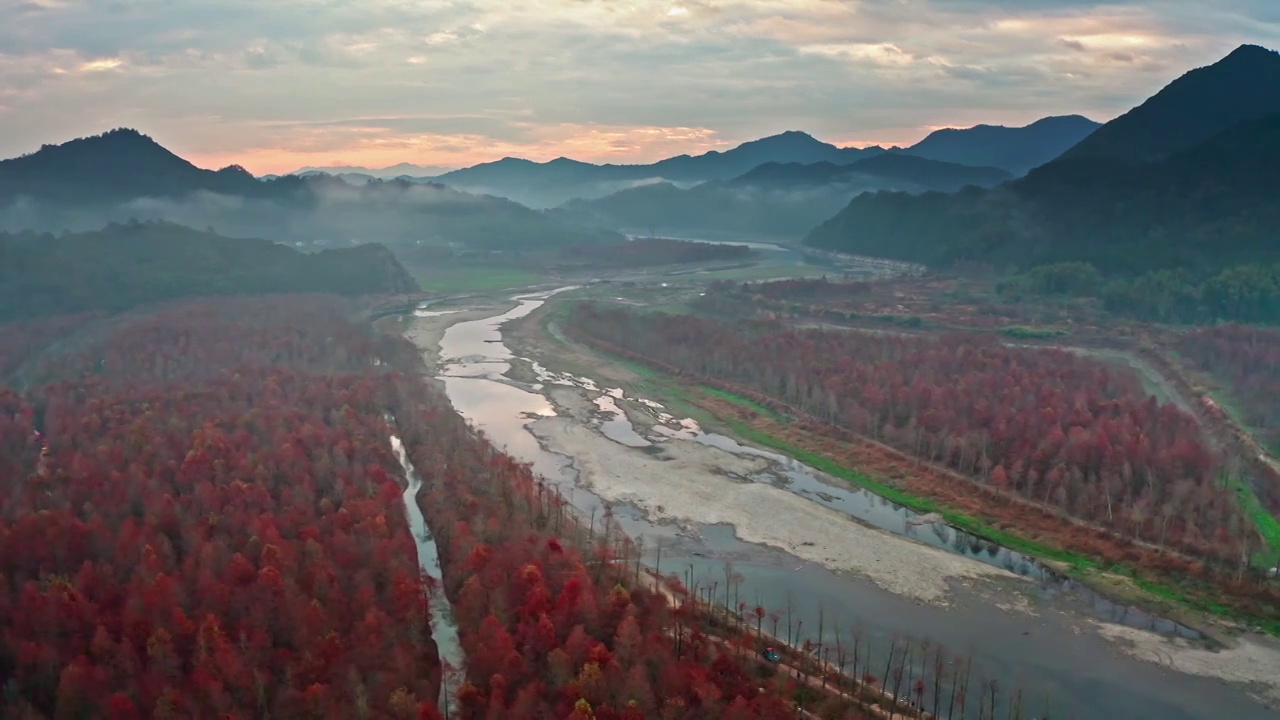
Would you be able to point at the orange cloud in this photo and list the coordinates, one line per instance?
(379, 147)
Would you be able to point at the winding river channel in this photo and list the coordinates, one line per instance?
(809, 546)
(444, 630)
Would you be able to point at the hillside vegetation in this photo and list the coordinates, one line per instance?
(1198, 195)
(123, 266)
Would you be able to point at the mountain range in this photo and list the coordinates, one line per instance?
(391, 172)
(782, 200)
(86, 183)
(1188, 179)
(553, 183)
(1015, 150)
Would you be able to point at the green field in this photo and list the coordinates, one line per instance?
(470, 278)
(762, 271)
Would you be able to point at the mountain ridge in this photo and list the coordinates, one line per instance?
(88, 182)
(1198, 104)
(390, 172)
(552, 183)
(1013, 149)
(1195, 207)
(774, 199)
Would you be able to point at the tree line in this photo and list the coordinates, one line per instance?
(201, 516)
(1240, 293)
(1247, 360)
(1048, 425)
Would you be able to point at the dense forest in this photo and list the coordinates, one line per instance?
(1240, 293)
(122, 266)
(1049, 425)
(1247, 361)
(201, 515)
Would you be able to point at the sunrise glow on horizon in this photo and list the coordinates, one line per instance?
(278, 86)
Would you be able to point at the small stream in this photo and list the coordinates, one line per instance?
(444, 630)
(1050, 651)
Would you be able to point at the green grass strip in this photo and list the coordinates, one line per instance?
(744, 402)
(964, 522)
(1079, 565)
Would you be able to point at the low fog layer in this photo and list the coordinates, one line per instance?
(716, 207)
(542, 196)
(325, 215)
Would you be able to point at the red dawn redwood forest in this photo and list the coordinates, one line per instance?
(216, 530)
(1247, 360)
(1049, 426)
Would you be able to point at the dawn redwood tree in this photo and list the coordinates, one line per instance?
(217, 530)
(1055, 427)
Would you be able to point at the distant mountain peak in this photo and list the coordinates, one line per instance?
(1249, 53)
(119, 164)
(1243, 86)
(787, 136)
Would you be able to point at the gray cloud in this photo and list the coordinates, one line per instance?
(293, 82)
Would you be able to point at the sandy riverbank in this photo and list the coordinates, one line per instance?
(1254, 660)
(691, 482)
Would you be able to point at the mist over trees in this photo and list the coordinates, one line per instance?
(122, 266)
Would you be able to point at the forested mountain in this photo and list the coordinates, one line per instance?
(1243, 86)
(126, 265)
(116, 166)
(552, 183)
(1199, 208)
(549, 184)
(121, 175)
(1014, 149)
(773, 199)
(889, 166)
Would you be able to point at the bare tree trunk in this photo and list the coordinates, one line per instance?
(911, 690)
(789, 643)
(937, 679)
(888, 667)
(821, 620)
(1015, 706)
(964, 689)
(897, 673)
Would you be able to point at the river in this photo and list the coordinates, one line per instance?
(444, 630)
(1019, 622)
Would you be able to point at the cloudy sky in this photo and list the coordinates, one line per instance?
(278, 84)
